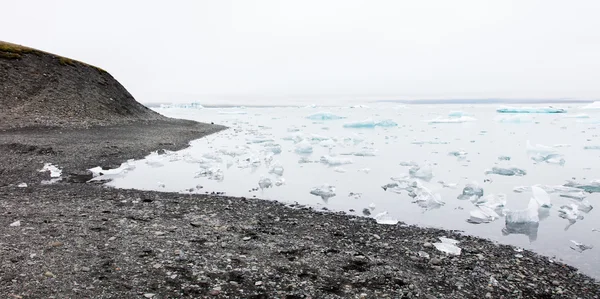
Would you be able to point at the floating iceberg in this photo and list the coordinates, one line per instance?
(581, 115)
(594, 105)
(325, 192)
(471, 192)
(577, 195)
(369, 123)
(513, 119)
(365, 152)
(55, 172)
(304, 147)
(427, 200)
(448, 246)
(276, 169)
(504, 158)
(591, 187)
(421, 172)
(592, 147)
(493, 201)
(335, 161)
(541, 197)
(580, 247)
(385, 218)
(482, 214)
(460, 155)
(548, 188)
(571, 213)
(212, 173)
(295, 137)
(273, 148)
(458, 114)
(539, 149)
(259, 140)
(512, 171)
(279, 182)
(530, 214)
(452, 120)
(448, 185)
(265, 183)
(409, 163)
(583, 205)
(508, 109)
(550, 159)
(324, 116)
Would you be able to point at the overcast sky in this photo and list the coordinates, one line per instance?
(177, 50)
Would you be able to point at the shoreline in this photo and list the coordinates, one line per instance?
(130, 243)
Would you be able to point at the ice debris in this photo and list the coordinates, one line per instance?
(571, 213)
(193, 105)
(265, 183)
(460, 155)
(303, 148)
(471, 192)
(448, 185)
(22, 185)
(427, 200)
(277, 169)
(525, 222)
(325, 192)
(458, 114)
(550, 109)
(335, 161)
(212, 173)
(580, 247)
(511, 171)
(550, 159)
(482, 214)
(504, 158)
(424, 172)
(385, 218)
(493, 201)
(541, 197)
(548, 188)
(365, 170)
(273, 148)
(591, 187)
(15, 224)
(369, 123)
(448, 246)
(234, 112)
(591, 147)
(339, 169)
(101, 174)
(452, 120)
(409, 163)
(55, 172)
(324, 116)
(279, 182)
(581, 115)
(365, 152)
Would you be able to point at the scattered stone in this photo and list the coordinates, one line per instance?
(258, 283)
(246, 238)
(427, 245)
(15, 224)
(436, 261)
(49, 274)
(149, 295)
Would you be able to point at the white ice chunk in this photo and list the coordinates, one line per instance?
(370, 123)
(458, 113)
(304, 160)
(591, 187)
(424, 172)
(448, 185)
(591, 147)
(364, 152)
(15, 224)
(324, 116)
(471, 192)
(327, 143)
(549, 189)
(570, 212)
(265, 183)
(549, 158)
(280, 182)
(492, 201)
(55, 172)
(448, 246)
(508, 109)
(385, 218)
(304, 147)
(580, 247)
(273, 148)
(339, 169)
(22, 185)
(452, 120)
(325, 191)
(539, 149)
(277, 169)
(483, 214)
(541, 196)
(510, 171)
(460, 155)
(365, 170)
(528, 215)
(427, 200)
(409, 163)
(335, 161)
(212, 173)
(101, 174)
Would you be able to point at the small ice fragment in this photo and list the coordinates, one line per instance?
(591, 187)
(265, 183)
(355, 195)
(274, 148)
(367, 123)
(260, 140)
(423, 172)
(579, 247)
(335, 161)
(429, 142)
(583, 205)
(448, 185)
(325, 192)
(324, 116)
(524, 216)
(409, 163)
(504, 158)
(385, 218)
(427, 200)
(304, 160)
(512, 171)
(541, 196)
(482, 214)
(22, 185)
(571, 213)
(460, 155)
(591, 147)
(550, 159)
(365, 170)
(493, 201)
(161, 185)
(386, 123)
(539, 149)
(423, 254)
(365, 152)
(339, 169)
(458, 114)
(372, 206)
(508, 109)
(15, 224)
(303, 147)
(360, 106)
(577, 196)
(448, 246)
(328, 143)
(211, 173)
(233, 112)
(452, 120)
(100, 174)
(471, 191)
(279, 182)
(55, 172)
(580, 115)
(277, 169)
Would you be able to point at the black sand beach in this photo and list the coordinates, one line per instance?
(82, 240)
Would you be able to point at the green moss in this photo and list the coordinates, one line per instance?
(66, 61)
(12, 51)
(10, 55)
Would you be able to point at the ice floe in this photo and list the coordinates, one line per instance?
(385, 218)
(580, 247)
(594, 105)
(325, 191)
(508, 109)
(335, 161)
(303, 147)
(370, 123)
(591, 187)
(452, 120)
(424, 172)
(102, 174)
(471, 192)
(324, 116)
(265, 183)
(511, 171)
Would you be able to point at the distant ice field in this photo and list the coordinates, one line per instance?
(460, 167)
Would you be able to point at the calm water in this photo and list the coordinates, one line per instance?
(235, 160)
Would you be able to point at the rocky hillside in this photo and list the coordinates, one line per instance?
(43, 89)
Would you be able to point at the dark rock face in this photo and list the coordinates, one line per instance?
(42, 89)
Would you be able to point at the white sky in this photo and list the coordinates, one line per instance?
(177, 50)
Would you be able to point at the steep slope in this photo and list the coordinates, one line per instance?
(43, 89)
